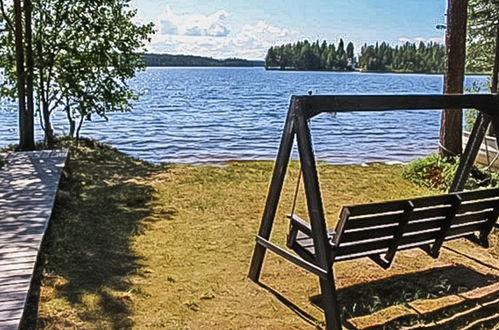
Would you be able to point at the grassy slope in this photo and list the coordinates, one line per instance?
(136, 245)
(102, 199)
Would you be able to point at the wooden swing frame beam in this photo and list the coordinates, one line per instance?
(303, 108)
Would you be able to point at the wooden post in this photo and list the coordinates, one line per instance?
(317, 221)
(452, 127)
(274, 195)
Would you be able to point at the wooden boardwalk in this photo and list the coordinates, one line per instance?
(28, 187)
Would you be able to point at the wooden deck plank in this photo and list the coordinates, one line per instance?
(28, 187)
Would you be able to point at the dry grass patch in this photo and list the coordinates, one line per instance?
(197, 246)
(87, 259)
(133, 245)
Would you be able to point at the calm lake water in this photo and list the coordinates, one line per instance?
(198, 115)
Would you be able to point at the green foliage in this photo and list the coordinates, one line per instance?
(189, 60)
(471, 115)
(483, 18)
(316, 56)
(433, 171)
(410, 57)
(2, 161)
(85, 52)
(438, 172)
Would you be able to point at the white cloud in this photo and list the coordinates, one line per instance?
(212, 35)
(214, 25)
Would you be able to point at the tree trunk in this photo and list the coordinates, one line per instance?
(72, 122)
(82, 119)
(29, 124)
(495, 71)
(495, 75)
(21, 81)
(49, 132)
(452, 119)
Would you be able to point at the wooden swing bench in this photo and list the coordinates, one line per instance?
(379, 230)
(376, 230)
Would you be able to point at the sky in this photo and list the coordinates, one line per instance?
(247, 28)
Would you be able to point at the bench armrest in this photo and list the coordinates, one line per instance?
(301, 224)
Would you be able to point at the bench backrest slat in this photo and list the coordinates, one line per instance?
(370, 227)
(425, 237)
(479, 194)
(413, 226)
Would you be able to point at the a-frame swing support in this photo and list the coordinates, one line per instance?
(303, 108)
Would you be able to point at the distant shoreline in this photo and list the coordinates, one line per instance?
(365, 71)
(157, 60)
(296, 70)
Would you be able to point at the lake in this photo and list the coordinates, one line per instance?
(212, 115)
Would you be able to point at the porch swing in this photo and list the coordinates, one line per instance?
(375, 230)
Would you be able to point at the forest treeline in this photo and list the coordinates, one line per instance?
(409, 57)
(189, 60)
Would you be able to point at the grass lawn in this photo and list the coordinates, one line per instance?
(138, 245)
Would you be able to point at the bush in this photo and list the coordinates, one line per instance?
(438, 172)
(2, 161)
(470, 115)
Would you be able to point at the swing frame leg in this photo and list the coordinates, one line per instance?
(317, 221)
(330, 303)
(471, 151)
(273, 197)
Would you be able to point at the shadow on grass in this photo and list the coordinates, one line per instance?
(87, 252)
(307, 317)
(368, 298)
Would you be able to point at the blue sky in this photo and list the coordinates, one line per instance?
(239, 28)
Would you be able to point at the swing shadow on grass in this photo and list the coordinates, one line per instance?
(368, 298)
(87, 254)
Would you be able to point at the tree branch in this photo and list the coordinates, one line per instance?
(6, 18)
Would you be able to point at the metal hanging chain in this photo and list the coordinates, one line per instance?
(298, 180)
(293, 207)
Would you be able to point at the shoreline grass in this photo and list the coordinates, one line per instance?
(136, 245)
